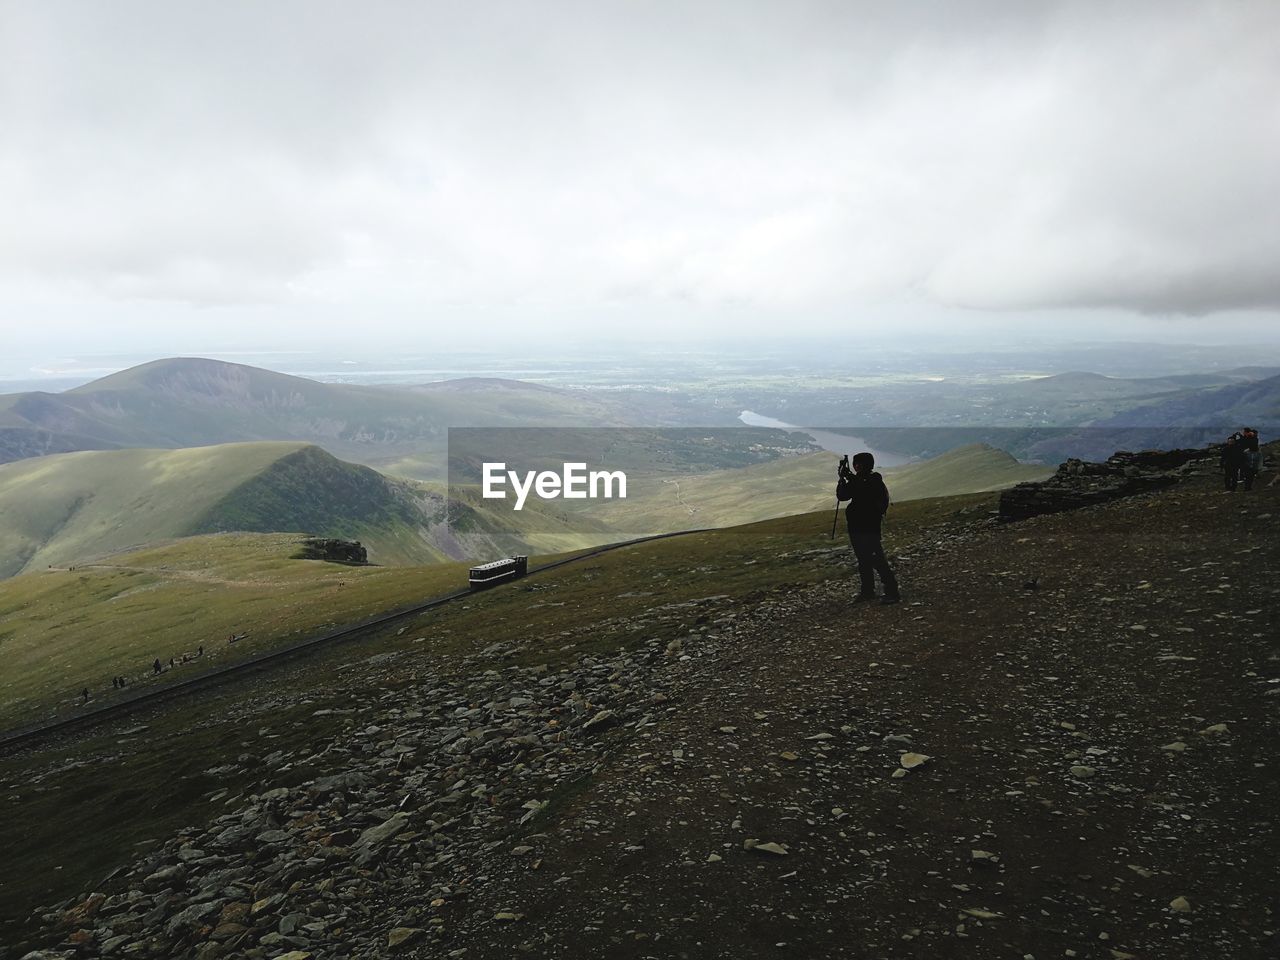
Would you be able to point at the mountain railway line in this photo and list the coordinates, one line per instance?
(33, 733)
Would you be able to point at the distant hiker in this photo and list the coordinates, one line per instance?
(84, 695)
(1232, 461)
(115, 683)
(1251, 457)
(156, 666)
(868, 501)
(200, 653)
(171, 663)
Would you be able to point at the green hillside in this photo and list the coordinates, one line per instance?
(800, 484)
(312, 491)
(63, 510)
(975, 468)
(59, 509)
(62, 629)
(168, 599)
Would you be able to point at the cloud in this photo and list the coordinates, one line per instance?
(772, 158)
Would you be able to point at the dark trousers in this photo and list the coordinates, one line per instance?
(871, 560)
(1231, 476)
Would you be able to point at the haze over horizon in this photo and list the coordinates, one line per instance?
(183, 180)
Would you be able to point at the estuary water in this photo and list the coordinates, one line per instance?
(834, 442)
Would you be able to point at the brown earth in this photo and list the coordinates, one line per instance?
(1153, 625)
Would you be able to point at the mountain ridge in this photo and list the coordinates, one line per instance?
(184, 402)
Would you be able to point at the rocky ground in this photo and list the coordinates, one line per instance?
(1060, 744)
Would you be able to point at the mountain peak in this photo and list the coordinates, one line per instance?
(197, 375)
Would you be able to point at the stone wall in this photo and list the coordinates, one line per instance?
(1081, 483)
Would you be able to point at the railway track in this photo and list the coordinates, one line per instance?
(33, 733)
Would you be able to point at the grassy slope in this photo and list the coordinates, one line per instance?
(801, 484)
(313, 491)
(62, 510)
(168, 600)
(63, 630)
(975, 468)
(59, 509)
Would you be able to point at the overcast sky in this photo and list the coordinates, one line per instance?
(183, 173)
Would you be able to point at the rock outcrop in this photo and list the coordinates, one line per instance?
(334, 551)
(1081, 483)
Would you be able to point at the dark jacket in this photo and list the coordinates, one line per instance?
(868, 501)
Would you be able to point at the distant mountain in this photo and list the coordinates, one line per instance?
(1024, 416)
(1186, 418)
(1254, 373)
(1253, 402)
(69, 508)
(18, 443)
(1131, 385)
(1084, 387)
(194, 402)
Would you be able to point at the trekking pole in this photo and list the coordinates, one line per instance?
(840, 473)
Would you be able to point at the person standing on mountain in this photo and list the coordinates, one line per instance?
(1232, 461)
(868, 502)
(1251, 457)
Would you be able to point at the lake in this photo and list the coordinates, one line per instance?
(834, 442)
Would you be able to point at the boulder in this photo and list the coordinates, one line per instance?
(332, 551)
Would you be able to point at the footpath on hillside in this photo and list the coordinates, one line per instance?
(1083, 768)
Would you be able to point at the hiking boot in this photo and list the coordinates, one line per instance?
(889, 600)
(864, 598)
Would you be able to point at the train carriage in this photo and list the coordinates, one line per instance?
(498, 571)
